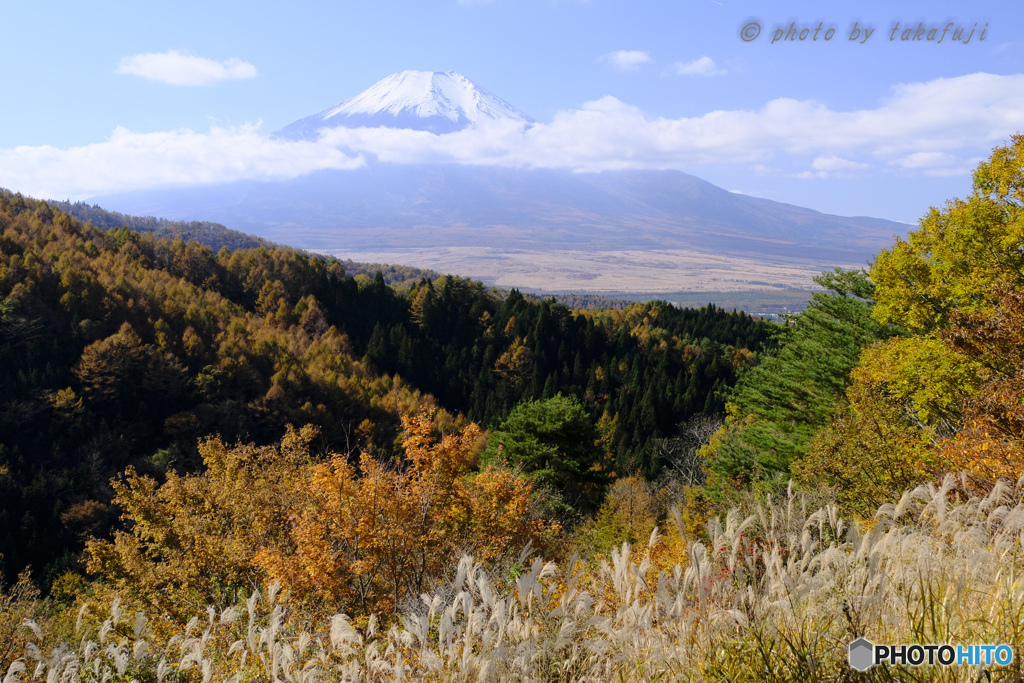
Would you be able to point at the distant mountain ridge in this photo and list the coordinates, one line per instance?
(396, 206)
(434, 101)
(213, 235)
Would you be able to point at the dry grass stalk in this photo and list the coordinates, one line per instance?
(776, 595)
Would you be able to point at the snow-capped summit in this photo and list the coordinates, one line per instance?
(435, 101)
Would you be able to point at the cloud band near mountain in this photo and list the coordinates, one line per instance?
(130, 161)
(942, 127)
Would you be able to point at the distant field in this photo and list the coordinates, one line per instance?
(689, 278)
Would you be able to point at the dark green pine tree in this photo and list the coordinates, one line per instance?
(793, 391)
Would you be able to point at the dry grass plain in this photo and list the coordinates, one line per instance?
(629, 271)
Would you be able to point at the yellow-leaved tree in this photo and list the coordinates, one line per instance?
(192, 541)
(947, 395)
(960, 253)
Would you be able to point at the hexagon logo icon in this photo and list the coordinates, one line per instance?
(862, 654)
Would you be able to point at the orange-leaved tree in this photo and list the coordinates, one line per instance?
(340, 535)
(990, 445)
(367, 537)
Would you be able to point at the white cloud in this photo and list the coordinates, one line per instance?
(834, 163)
(180, 69)
(626, 60)
(937, 163)
(705, 66)
(130, 161)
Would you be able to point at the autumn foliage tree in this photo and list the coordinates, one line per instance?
(192, 541)
(960, 279)
(990, 445)
(342, 535)
(961, 252)
(366, 537)
(868, 451)
(948, 396)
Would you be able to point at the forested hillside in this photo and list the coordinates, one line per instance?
(213, 235)
(119, 348)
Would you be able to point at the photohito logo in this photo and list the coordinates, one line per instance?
(864, 654)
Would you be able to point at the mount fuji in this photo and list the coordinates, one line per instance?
(434, 101)
(657, 231)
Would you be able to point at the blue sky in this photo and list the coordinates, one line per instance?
(107, 96)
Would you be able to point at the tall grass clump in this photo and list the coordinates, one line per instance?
(775, 594)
